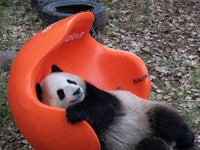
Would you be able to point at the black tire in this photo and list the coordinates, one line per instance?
(39, 4)
(56, 11)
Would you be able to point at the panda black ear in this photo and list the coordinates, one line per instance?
(39, 91)
(55, 68)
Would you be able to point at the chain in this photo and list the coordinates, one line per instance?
(142, 78)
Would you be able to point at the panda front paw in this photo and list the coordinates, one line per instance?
(74, 114)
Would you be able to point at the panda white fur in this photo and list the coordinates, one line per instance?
(121, 120)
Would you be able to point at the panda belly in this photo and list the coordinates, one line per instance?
(130, 127)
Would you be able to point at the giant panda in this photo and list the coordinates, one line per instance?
(121, 120)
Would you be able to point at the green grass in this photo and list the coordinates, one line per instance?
(5, 116)
(17, 23)
(192, 117)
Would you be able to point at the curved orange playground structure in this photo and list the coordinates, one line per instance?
(69, 45)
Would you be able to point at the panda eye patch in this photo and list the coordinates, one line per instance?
(61, 94)
(71, 82)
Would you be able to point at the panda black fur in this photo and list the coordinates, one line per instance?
(121, 120)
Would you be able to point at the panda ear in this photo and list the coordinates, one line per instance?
(39, 91)
(55, 68)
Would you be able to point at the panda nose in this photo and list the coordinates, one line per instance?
(77, 92)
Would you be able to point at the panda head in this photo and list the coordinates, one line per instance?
(60, 89)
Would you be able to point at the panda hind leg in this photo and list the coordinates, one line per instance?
(152, 143)
(171, 127)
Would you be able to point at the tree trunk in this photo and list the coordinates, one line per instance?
(6, 58)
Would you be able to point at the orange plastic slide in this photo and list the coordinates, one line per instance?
(69, 45)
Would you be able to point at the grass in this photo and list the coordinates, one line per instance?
(5, 115)
(17, 24)
(5, 110)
